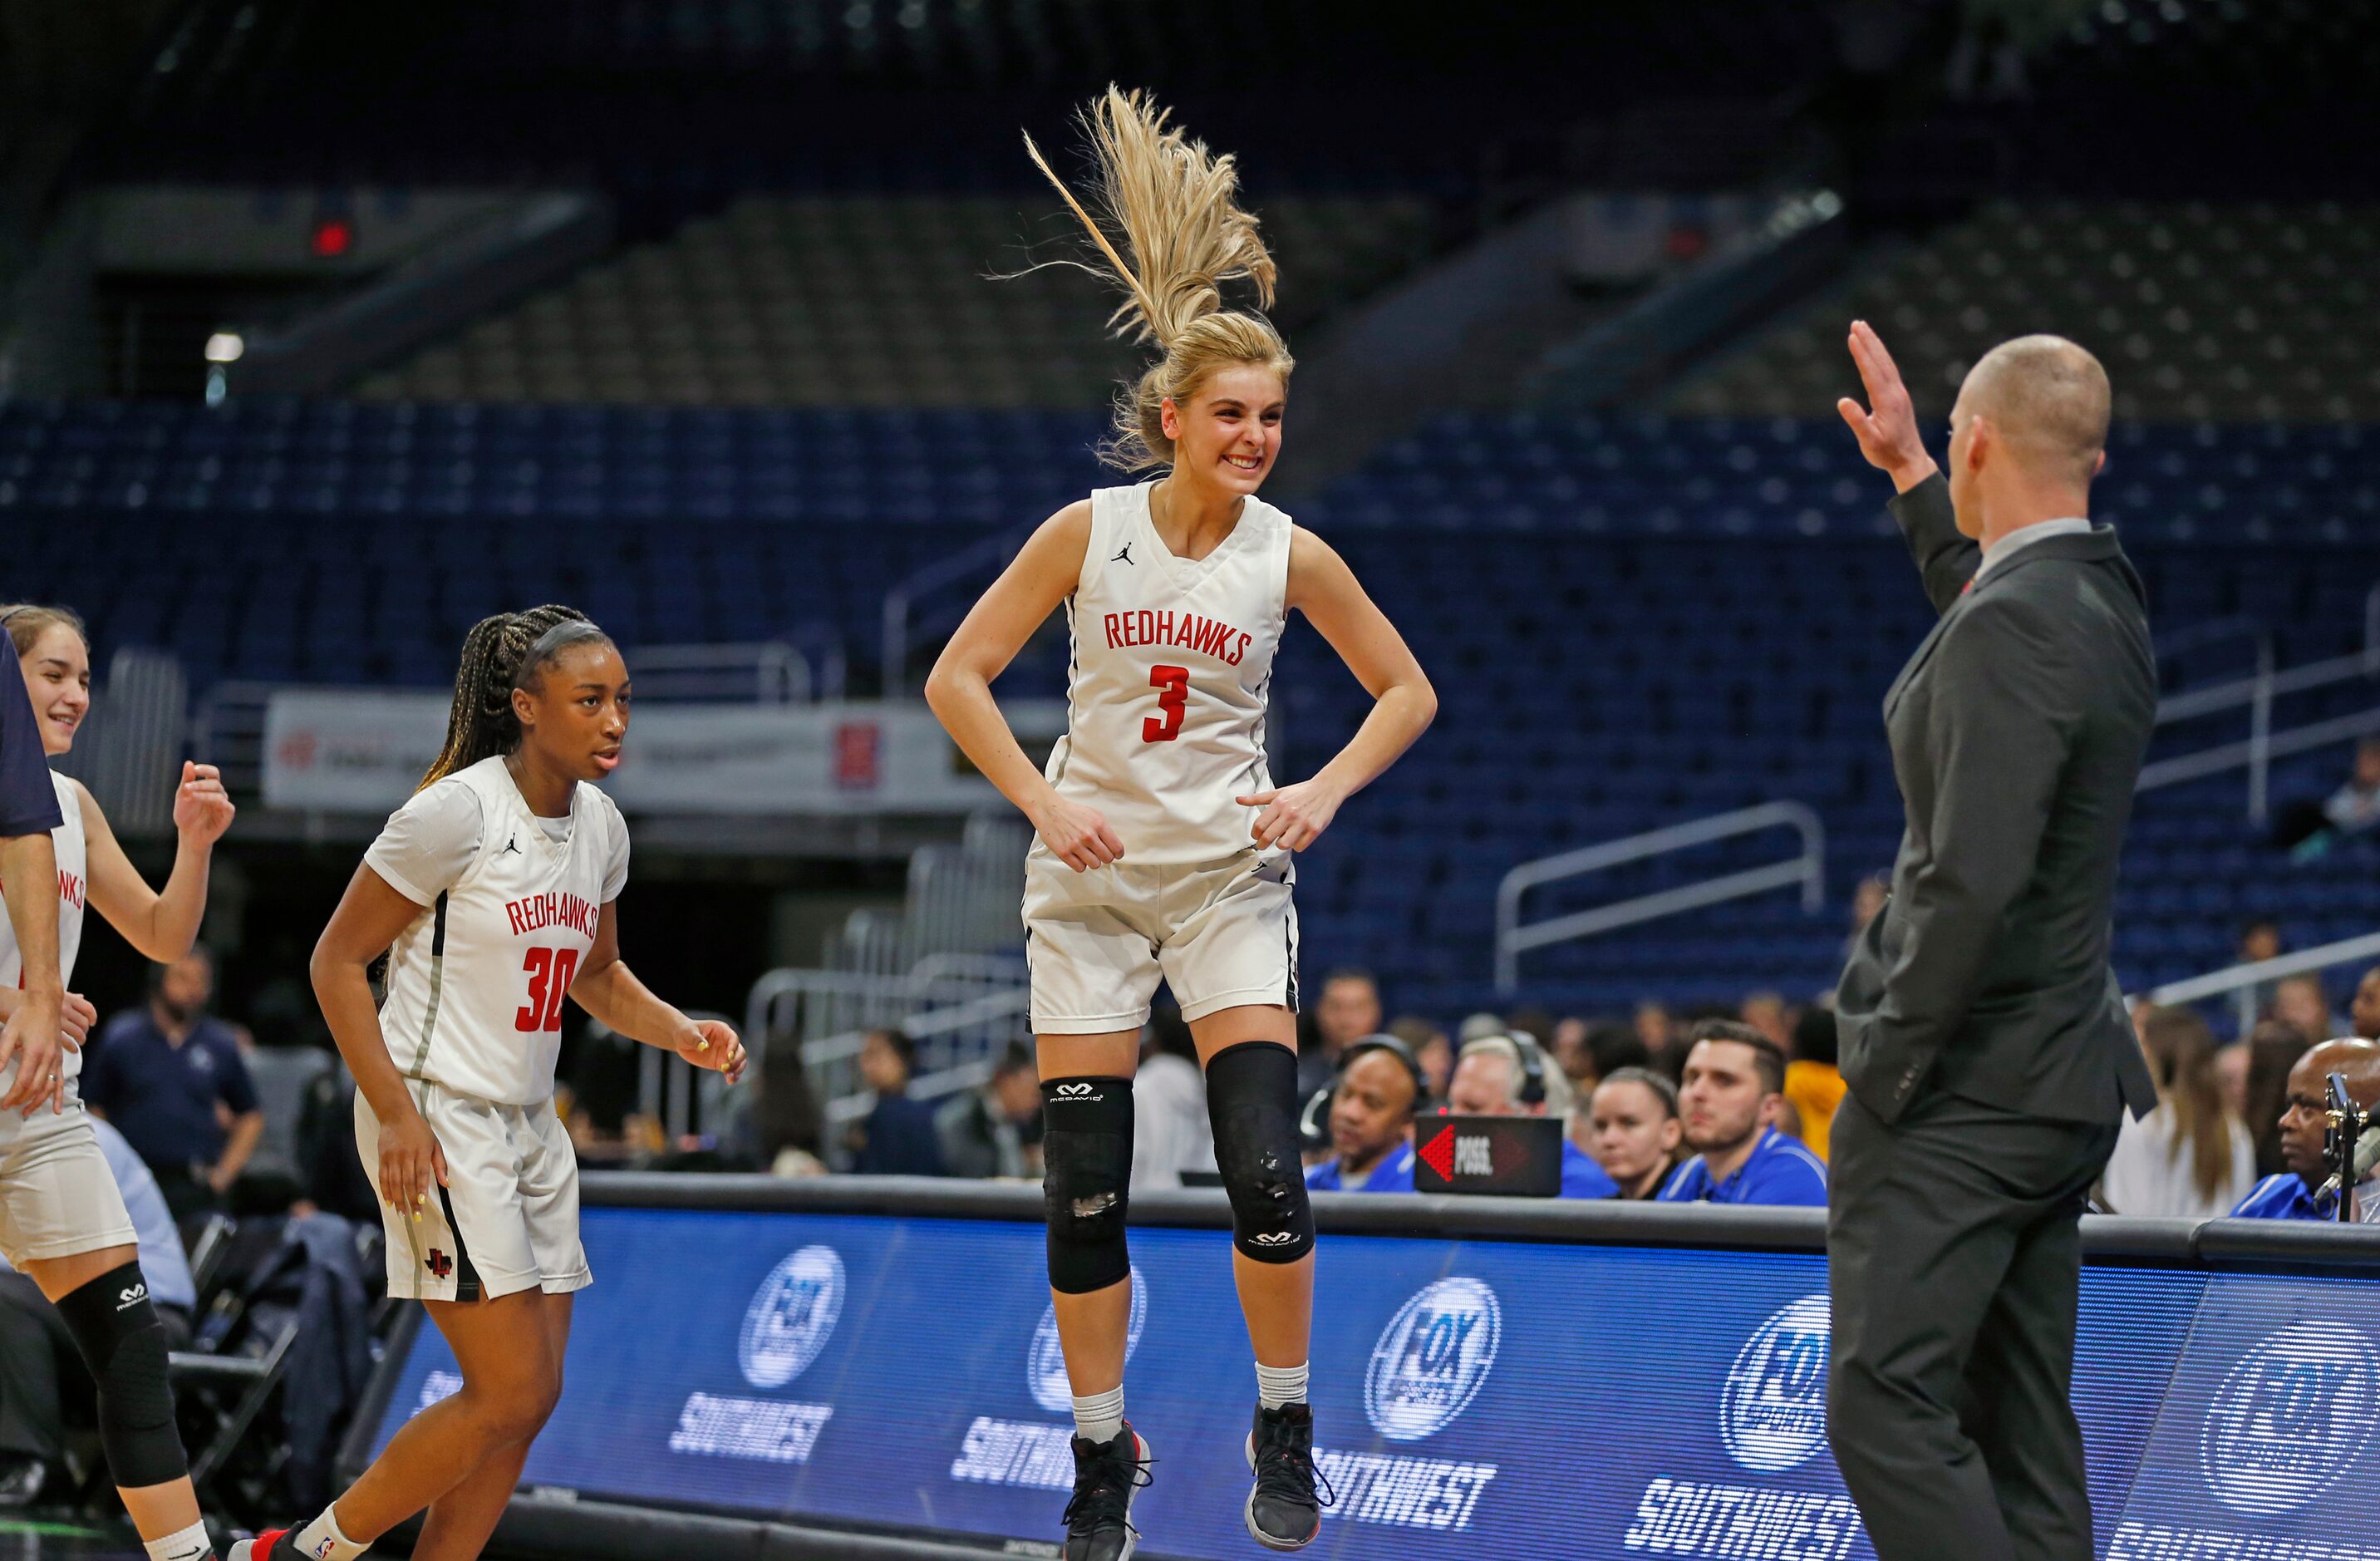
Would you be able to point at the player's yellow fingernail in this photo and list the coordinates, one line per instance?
(421, 1197)
(417, 1218)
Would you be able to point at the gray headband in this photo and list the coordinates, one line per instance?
(551, 643)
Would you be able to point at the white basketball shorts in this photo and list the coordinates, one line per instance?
(57, 1197)
(1221, 935)
(507, 1218)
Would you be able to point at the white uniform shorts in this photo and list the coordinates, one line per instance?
(507, 1218)
(57, 1197)
(1222, 935)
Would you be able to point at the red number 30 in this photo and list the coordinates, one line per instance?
(1174, 700)
(550, 973)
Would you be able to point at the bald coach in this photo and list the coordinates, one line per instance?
(1987, 1050)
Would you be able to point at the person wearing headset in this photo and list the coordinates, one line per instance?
(1507, 1075)
(1371, 1106)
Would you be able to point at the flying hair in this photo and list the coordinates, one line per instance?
(1174, 207)
(501, 654)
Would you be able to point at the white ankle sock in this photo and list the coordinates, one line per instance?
(321, 1540)
(1099, 1417)
(1280, 1385)
(190, 1544)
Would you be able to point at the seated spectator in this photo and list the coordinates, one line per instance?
(1490, 1080)
(1430, 1048)
(1767, 1012)
(2273, 1048)
(1371, 1120)
(2355, 806)
(1814, 1085)
(996, 1130)
(1631, 1126)
(1735, 1083)
(2291, 1193)
(1568, 1048)
(2259, 941)
(159, 1073)
(2190, 1158)
(2231, 1081)
(1611, 1046)
(2363, 1014)
(1172, 1132)
(1867, 904)
(1658, 1030)
(1346, 1008)
(786, 1135)
(897, 1136)
(42, 1371)
(2301, 1001)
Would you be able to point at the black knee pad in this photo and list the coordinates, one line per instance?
(1085, 1172)
(1252, 1101)
(124, 1345)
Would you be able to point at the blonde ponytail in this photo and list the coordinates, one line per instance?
(1184, 234)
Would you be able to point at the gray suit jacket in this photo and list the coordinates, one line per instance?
(2017, 733)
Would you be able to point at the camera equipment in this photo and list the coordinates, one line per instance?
(2344, 1145)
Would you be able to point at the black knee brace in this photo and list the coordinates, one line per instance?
(124, 1345)
(1252, 1101)
(1086, 1169)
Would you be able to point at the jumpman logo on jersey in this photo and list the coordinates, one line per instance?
(1125, 555)
(511, 844)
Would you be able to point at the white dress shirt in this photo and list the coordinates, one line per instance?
(2040, 530)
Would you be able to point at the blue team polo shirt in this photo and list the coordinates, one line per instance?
(1391, 1174)
(161, 1097)
(1780, 1174)
(29, 799)
(2285, 1197)
(1581, 1178)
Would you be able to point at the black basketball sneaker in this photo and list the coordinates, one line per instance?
(1108, 1475)
(1282, 1513)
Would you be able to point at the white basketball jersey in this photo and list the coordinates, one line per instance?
(74, 861)
(476, 984)
(1166, 694)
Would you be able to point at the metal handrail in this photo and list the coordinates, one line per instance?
(2245, 979)
(990, 555)
(2263, 745)
(1808, 869)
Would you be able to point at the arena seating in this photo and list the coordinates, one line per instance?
(2243, 314)
(856, 301)
(1633, 622)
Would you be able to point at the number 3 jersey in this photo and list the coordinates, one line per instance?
(475, 985)
(1166, 696)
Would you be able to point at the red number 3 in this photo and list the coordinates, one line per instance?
(1174, 700)
(550, 973)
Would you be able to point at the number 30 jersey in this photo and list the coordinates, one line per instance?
(510, 903)
(1166, 696)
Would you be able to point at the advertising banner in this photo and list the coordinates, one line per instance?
(1473, 1398)
(365, 751)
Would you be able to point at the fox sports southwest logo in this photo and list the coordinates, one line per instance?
(2290, 1418)
(1772, 1413)
(791, 1317)
(1432, 1359)
(1045, 1369)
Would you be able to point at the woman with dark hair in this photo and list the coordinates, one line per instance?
(2189, 1158)
(1631, 1126)
(493, 891)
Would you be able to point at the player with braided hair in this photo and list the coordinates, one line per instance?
(1164, 845)
(494, 893)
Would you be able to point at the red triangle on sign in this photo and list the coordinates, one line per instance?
(1439, 1153)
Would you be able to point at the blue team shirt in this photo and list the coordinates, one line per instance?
(1780, 1174)
(161, 1097)
(2285, 1197)
(1581, 1178)
(29, 799)
(1393, 1175)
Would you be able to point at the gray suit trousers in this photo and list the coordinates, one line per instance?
(1955, 1267)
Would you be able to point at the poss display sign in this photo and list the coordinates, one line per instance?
(1473, 1398)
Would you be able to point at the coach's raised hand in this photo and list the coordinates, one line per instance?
(1887, 429)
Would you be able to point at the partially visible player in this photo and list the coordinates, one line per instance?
(496, 887)
(62, 1219)
(1164, 844)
